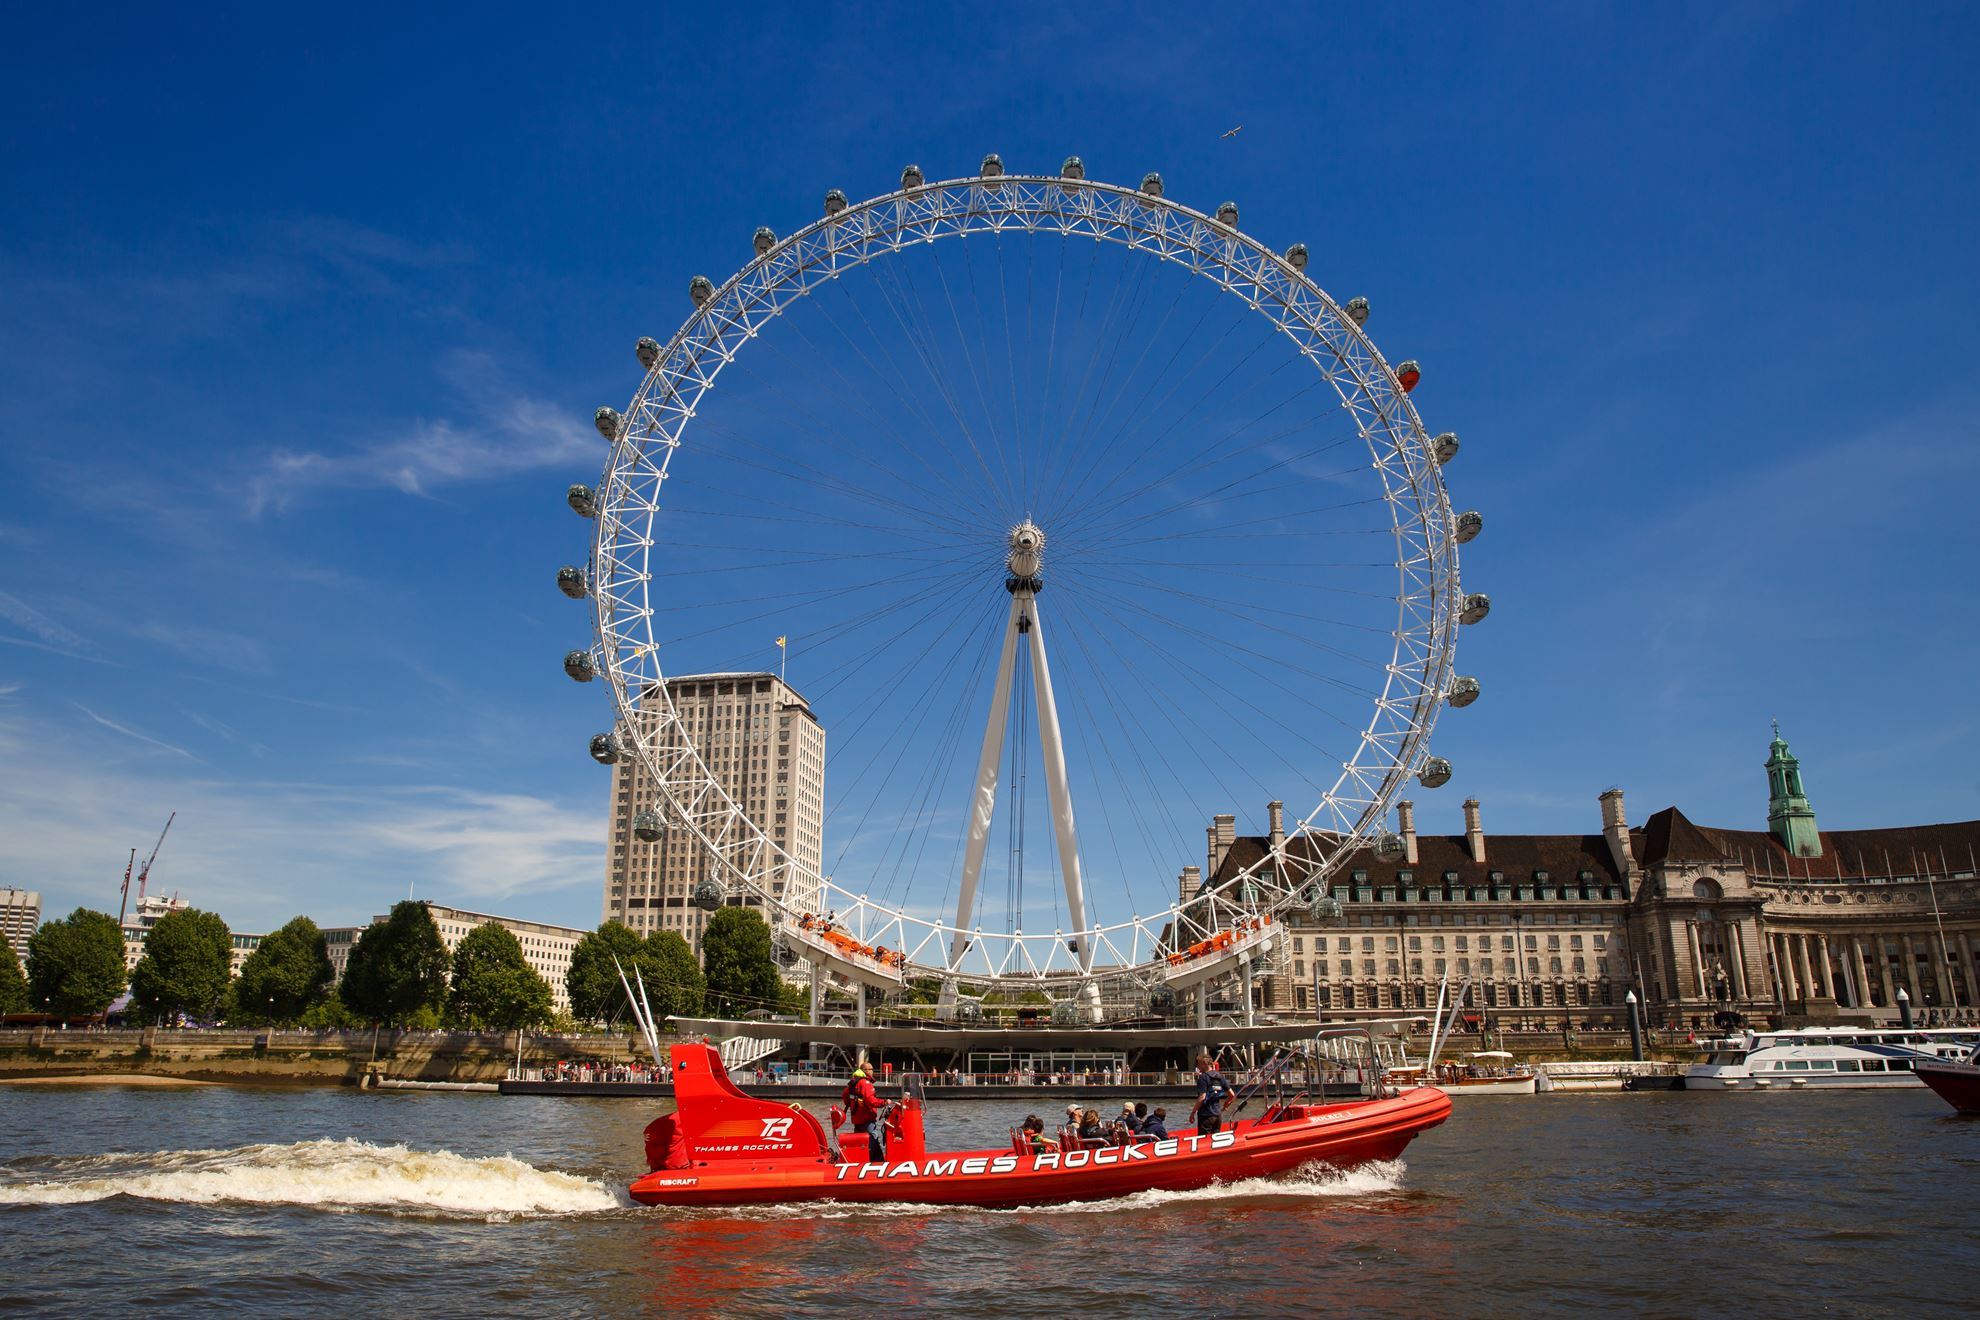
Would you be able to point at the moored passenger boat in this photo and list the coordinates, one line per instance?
(1824, 1058)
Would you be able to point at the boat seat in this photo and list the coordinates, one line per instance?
(853, 1146)
(1020, 1145)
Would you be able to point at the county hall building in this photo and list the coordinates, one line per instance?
(1792, 921)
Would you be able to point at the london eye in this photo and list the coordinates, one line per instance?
(1082, 516)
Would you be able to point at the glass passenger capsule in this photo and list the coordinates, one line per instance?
(604, 748)
(709, 895)
(1357, 310)
(1227, 214)
(608, 422)
(1296, 256)
(570, 581)
(1444, 447)
(1407, 374)
(1151, 183)
(1464, 691)
(647, 350)
(646, 827)
(763, 239)
(1469, 524)
(1389, 847)
(911, 177)
(700, 290)
(1436, 772)
(835, 202)
(1476, 606)
(579, 665)
(582, 501)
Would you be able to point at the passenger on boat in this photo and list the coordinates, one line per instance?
(1090, 1129)
(1156, 1128)
(862, 1104)
(1128, 1124)
(1034, 1134)
(1211, 1092)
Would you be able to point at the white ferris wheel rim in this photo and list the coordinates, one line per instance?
(1418, 673)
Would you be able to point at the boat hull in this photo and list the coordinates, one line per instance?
(1958, 1084)
(1799, 1082)
(1342, 1135)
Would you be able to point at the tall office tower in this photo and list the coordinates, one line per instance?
(761, 741)
(20, 917)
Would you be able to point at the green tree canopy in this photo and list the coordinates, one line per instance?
(397, 967)
(675, 987)
(188, 961)
(13, 981)
(735, 951)
(593, 981)
(288, 973)
(494, 986)
(76, 965)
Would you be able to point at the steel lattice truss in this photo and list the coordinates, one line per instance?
(1428, 600)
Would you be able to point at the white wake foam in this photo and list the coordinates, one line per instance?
(331, 1175)
(1312, 1181)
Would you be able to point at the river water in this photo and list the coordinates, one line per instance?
(276, 1202)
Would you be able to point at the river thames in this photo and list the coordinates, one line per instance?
(287, 1202)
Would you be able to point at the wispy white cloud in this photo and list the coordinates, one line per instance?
(500, 438)
(259, 851)
(223, 731)
(129, 732)
(50, 633)
(228, 650)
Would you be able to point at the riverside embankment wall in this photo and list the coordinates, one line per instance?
(309, 1057)
(344, 1057)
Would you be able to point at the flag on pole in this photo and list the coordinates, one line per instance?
(780, 643)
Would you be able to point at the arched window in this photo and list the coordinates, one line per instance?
(1706, 891)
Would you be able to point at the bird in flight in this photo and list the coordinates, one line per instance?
(1234, 132)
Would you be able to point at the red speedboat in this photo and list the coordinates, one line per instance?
(1958, 1083)
(722, 1147)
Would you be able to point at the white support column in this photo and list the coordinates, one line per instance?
(983, 802)
(1064, 830)
(1736, 957)
(1697, 958)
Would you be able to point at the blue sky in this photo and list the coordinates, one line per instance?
(303, 317)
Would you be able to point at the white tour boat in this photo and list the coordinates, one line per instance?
(1823, 1058)
(1487, 1072)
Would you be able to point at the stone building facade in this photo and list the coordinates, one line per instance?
(1792, 922)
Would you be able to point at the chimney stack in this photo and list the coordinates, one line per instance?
(1189, 883)
(1276, 813)
(1222, 835)
(1615, 828)
(1406, 826)
(1474, 831)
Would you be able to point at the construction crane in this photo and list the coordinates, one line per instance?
(124, 899)
(144, 873)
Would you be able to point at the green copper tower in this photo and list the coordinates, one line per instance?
(1789, 816)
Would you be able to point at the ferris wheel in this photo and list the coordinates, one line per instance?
(1043, 479)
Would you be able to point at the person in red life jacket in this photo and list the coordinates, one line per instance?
(862, 1104)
